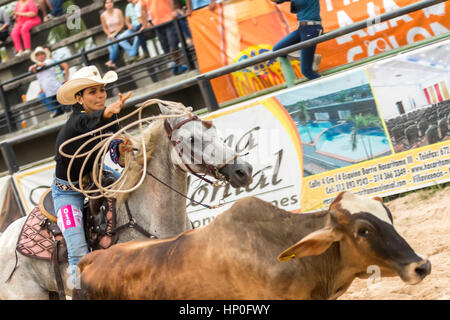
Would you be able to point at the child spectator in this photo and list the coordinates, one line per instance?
(26, 15)
(113, 23)
(48, 79)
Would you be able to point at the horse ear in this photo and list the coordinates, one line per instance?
(313, 244)
(166, 110)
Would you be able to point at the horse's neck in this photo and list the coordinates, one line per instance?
(159, 210)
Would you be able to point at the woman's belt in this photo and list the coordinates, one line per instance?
(86, 180)
(309, 23)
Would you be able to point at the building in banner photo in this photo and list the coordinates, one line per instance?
(338, 123)
(413, 95)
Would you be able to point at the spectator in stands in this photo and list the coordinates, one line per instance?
(198, 4)
(54, 6)
(5, 25)
(86, 93)
(113, 23)
(163, 11)
(26, 14)
(310, 26)
(133, 25)
(47, 79)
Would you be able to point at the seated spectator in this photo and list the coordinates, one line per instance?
(26, 14)
(5, 25)
(197, 4)
(48, 79)
(163, 11)
(133, 25)
(113, 23)
(54, 6)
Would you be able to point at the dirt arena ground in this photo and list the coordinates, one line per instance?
(423, 219)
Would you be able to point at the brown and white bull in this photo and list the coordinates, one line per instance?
(257, 251)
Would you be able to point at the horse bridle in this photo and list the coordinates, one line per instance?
(212, 169)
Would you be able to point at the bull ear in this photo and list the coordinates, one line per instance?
(339, 214)
(313, 244)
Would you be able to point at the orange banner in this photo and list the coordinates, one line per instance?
(239, 29)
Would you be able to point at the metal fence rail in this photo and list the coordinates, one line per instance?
(203, 80)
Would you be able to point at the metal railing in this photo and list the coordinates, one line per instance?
(203, 80)
(11, 115)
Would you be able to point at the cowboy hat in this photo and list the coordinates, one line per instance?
(84, 78)
(38, 50)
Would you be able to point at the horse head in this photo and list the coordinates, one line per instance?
(198, 149)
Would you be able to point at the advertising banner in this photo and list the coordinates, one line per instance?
(239, 29)
(370, 130)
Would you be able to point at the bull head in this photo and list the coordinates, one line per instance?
(364, 228)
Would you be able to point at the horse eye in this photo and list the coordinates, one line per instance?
(364, 232)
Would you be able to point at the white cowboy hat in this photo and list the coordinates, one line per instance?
(36, 51)
(84, 78)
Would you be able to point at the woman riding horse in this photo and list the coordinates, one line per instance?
(87, 94)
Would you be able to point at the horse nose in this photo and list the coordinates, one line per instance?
(239, 175)
(423, 270)
(244, 171)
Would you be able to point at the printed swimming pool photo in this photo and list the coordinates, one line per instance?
(338, 122)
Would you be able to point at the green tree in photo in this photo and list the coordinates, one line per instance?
(361, 122)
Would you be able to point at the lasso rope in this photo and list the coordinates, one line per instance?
(103, 147)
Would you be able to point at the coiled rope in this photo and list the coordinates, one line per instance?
(103, 146)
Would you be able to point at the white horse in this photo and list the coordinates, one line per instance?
(155, 207)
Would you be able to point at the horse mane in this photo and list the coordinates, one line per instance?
(135, 162)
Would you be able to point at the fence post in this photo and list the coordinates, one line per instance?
(208, 93)
(9, 120)
(84, 57)
(180, 36)
(10, 157)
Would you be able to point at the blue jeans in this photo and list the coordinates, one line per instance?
(114, 48)
(167, 36)
(141, 39)
(185, 27)
(307, 54)
(74, 234)
(51, 103)
(57, 8)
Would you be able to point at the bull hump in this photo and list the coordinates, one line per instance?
(249, 208)
(356, 204)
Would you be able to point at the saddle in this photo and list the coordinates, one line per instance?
(41, 237)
